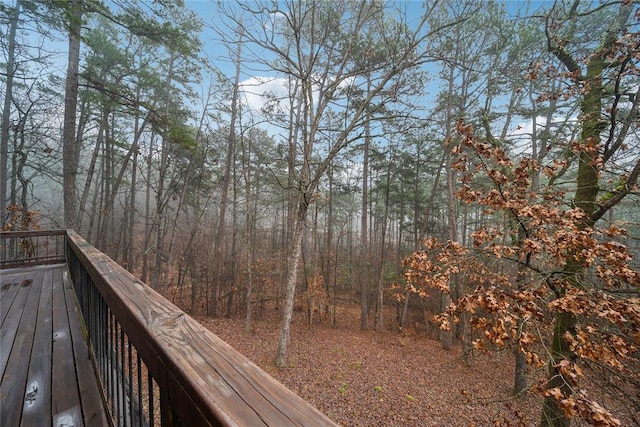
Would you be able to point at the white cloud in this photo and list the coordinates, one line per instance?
(260, 94)
(257, 92)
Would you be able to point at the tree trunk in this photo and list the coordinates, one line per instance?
(364, 246)
(520, 361)
(446, 334)
(132, 205)
(292, 277)
(552, 413)
(246, 174)
(405, 309)
(520, 377)
(224, 188)
(163, 195)
(69, 155)
(107, 182)
(585, 198)
(379, 321)
(6, 110)
(91, 170)
(148, 227)
(329, 264)
(174, 228)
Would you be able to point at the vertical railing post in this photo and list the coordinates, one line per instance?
(167, 415)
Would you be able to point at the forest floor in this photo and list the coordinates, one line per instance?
(367, 378)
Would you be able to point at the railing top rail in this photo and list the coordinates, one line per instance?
(32, 247)
(30, 233)
(207, 380)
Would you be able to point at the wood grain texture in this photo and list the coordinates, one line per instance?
(29, 385)
(14, 379)
(207, 382)
(10, 286)
(36, 410)
(64, 377)
(12, 313)
(93, 412)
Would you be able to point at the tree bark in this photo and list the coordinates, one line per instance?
(585, 198)
(452, 227)
(69, 155)
(246, 161)
(364, 246)
(6, 110)
(91, 170)
(292, 277)
(379, 320)
(224, 187)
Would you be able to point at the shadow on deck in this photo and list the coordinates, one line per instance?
(149, 362)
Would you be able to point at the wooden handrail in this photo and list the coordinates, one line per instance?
(32, 247)
(31, 233)
(203, 380)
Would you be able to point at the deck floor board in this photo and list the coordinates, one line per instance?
(9, 289)
(37, 402)
(12, 315)
(15, 375)
(49, 378)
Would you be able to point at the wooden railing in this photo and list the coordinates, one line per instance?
(20, 248)
(158, 366)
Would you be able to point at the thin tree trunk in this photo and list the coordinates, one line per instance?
(162, 199)
(292, 278)
(94, 208)
(452, 224)
(107, 182)
(446, 335)
(364, 249)
(405, 309)
(132, 208)
(305, 194)
(379, 323)
(330, 274)
(91, 170)
(246, 162)
(148, 227)
(224, 188)
(174, 228)
(21, 161)
(6, 109)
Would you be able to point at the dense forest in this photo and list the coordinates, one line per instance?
(468, 169)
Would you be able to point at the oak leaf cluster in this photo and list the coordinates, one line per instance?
(520, 276)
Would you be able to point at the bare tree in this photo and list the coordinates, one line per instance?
(315, 44)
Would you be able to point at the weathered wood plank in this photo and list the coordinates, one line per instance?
(8, 289)
(64, 380)
(71, 417)
(26, 390)
(209, 382)
(36, 410)
(93, 411)
(13, 386)
(13, 313)
(10, 284)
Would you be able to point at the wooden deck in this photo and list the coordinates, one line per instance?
(158, 366)
(47, 375)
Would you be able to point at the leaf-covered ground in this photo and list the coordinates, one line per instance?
(365, 378)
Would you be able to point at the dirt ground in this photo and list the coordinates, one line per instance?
(367, 378)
